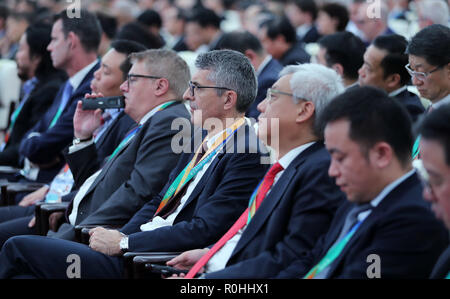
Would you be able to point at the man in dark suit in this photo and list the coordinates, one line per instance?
(202, 197)
(384, 67)
(19, 220)
(302, 14)
(279, 39)
(302, 199)
(73, 48)
(267, 68)
(386, 229)
(435, 154)
(41, 83)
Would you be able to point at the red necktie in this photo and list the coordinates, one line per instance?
(240, 223)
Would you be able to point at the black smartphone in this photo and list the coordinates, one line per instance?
(103, 103)
(165, 270)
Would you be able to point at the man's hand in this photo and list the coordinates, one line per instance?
(187, 259)
(34, 197)
(105, 241)
(32, 222)
(85, 122)
(54, 219)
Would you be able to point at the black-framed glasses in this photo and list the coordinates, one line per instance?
(420, 75)
(193, 86)
(130, 76)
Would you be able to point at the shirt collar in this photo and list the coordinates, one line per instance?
(263, 64)
(76, 79)
(397, 91)
(443, 101)
(287, 159)
(150, 114)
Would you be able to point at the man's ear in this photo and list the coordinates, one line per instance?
(338, 68)
(230, 99)
(305, 111)
(393, 80)
(74, 40)
(162, 86)
(381, 154)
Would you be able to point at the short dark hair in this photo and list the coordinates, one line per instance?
(150, 18)
(4, 11)
(204, 17)
(280, 26)
(136, 32)
(126, 47)
(108, 24)
(337, 11)
(346, 49)
(38, 36)
(436, 126)
(240, 41)
(373, 117)
(308, 6)
(432, 43)
(86, 27)
(396, 59)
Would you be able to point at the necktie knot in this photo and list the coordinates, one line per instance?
(273, 171)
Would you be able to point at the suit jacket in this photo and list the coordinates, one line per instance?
(442, 267)
(296, 212)
(295, 55)
(214, 205)
(266, 78)
(401, 230)
(412, 103)
(81, 166)
(133, 176)
(40, 99)
(311, 36)
(48, 146)
(180, 45)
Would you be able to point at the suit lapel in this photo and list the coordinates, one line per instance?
(273, 198)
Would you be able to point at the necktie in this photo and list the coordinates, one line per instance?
(241, 222)
(67, 93)
(350, 221)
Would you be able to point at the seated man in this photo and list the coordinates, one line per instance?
(73, 48)
(14, 220)
(384, 67)
(41, 82)
(206, 192)
(386, 229)
(302, 200)
(435, 144)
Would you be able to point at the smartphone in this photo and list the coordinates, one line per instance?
(165, 270)
(103, 103)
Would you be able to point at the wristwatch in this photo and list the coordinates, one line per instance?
(78, 140)
(124, 243)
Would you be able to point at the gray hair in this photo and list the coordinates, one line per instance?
(232, 70)
(435, 11)
(166, 64)
(315, 83)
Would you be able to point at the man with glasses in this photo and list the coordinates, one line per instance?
(302, 200)
(139, 166)
(435, 144)
(429, 63)
(207, 190)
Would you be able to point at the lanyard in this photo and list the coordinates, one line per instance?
(332, 253)
(193, 168)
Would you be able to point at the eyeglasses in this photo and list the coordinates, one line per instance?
(420, 75)
(271, 91)
(131, 76)
(193, 86)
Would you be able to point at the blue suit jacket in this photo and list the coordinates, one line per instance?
(48, 145)
(412, 103)
(295, 55)
(290, 220)
(215, 203)
(266, 78)
(401, 230)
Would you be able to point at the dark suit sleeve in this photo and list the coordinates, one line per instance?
(212, 218)
(314, 202)
(154, 160)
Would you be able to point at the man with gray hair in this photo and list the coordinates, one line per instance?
(206, 191)
(302, 199)
(432, 12)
